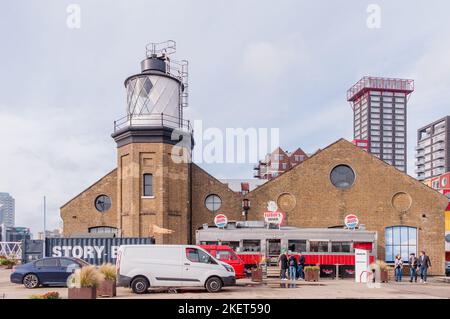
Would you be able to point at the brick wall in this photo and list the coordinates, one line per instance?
(80, 213)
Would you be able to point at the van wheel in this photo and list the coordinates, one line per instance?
(213, 284)
(140, 285)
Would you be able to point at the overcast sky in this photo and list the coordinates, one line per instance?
(284, 64)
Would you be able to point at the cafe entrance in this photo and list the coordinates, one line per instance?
(273, 250)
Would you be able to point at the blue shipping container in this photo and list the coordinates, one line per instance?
(95, 251)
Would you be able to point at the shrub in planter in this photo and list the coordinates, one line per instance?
(383, 269)
(84, 282)
(257, 274)
(48, 295)
(107, 286)
(312, 273)
(7, 263)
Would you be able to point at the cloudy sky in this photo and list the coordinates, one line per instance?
(284, 64)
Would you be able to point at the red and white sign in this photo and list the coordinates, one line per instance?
(274, 218)
(351, 221)
(221, 221)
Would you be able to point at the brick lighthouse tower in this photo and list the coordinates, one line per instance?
(154, 146)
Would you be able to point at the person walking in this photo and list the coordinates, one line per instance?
(398, 268)
(301, 266)
(413, 262)
(292, 267)
(283, 264)
(424, 265)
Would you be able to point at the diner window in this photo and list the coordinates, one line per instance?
(341, 247)
(318, 246)
(251, 245)
(297, 246)
(233, 244)
(400, 240)
(209, 243)
(148, 185)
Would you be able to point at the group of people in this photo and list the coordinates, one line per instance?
(292, 266)
(418, 266)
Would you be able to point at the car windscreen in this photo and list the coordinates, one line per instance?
(81, 262)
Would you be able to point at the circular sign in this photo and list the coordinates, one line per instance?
(286, 202)
(447, 238)
(221, 221)
(351, 221)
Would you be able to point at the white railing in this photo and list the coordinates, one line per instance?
(11, 250)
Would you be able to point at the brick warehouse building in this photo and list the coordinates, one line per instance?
(149, 193)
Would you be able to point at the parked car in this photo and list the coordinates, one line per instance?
(227, 255)
(447, 268)
(46, 271)
(143, 266)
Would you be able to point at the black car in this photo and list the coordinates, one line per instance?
(47, 271)
(447, 268)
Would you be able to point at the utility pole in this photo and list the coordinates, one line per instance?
(45, 227)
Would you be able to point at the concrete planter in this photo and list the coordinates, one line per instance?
(257, 275)
(82, 293)
(107, 288)
(311, 275)
(384, 276)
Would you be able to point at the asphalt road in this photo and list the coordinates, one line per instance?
(271, 289)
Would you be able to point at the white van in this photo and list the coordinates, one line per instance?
(143, 266)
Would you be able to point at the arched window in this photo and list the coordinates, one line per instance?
(213, 202)
(103, 230)
(147, 187)
(400, 240)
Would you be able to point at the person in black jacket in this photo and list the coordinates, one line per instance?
(283, 264)
(301, 266)
(292, 267)
(424, 264)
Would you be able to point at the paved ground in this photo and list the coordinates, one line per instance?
(271, 289)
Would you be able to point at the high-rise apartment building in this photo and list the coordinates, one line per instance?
(7, 210)
(433, 149)
(380, 117)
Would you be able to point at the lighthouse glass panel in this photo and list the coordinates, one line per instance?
(342, 176)
(153, 100)
(213, 203)
(103, 203)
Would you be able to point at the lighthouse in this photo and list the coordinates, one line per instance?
(154, 144)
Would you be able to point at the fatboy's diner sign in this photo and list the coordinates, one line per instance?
(273, 216)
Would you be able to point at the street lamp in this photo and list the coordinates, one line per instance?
(246, 207)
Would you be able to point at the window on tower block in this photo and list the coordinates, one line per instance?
(148, 185)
